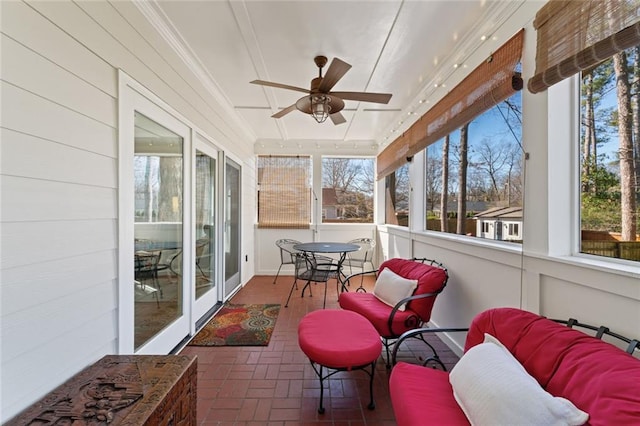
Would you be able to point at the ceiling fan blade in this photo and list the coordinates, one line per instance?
(279, 86)
(284, 112)
(337, 69)
(380, 98)
(337, 118)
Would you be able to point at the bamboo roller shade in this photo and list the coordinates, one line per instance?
(490, 83)
(573, 36)
(284, 196)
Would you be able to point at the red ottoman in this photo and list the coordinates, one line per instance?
(341, 341)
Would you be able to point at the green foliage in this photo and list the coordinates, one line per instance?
(601, 183)
(601, 200)
(600, 214)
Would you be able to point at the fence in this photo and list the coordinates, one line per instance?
(629, 250)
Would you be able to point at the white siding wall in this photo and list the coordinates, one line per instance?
(59, 179)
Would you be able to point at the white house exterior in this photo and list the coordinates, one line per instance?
(500, 223)
(70, 69)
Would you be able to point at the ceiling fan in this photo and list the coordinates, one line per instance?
(320, 102)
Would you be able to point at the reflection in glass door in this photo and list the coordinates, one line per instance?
(232, 227)
(205, 234)
(158, 201)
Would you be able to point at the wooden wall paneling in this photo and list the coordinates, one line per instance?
(28, 27)
(55, 123)
(54, 161)
(26, 69)
(26, 286)
(28, 243)
(43, 200)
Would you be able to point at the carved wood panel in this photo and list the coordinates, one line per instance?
(121, 390)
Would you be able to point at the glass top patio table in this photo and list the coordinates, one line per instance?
(322, 247)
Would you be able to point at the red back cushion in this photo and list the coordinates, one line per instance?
(596, 376)
(431, 279)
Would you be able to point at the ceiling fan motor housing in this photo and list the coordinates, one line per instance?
(320, 101)
(304, 104)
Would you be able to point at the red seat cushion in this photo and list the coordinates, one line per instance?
(338, 339)
(596, 376)
(369, 306)
(423, 396)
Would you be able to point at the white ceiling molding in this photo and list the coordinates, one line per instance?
(171, 35)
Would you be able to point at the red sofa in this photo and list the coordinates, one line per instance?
(596, 376)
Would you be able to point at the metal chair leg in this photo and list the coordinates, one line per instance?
(274, 280)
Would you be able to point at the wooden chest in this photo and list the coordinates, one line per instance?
(152, 390)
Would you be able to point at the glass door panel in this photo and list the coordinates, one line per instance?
(232, 227)
(158, 229)
(205, 234)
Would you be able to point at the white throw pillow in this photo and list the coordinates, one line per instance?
(391, 288)
(493, 388)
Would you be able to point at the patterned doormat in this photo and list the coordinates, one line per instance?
(239, 325)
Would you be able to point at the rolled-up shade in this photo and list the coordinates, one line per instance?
(284, 192)
(489, 84)
(576, 35)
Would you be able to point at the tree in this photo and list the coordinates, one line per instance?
(352, 179)
(433, 181)
(492, 159)
(636, 113)
(444, 194)
(625, 151)
(170, 189)
(462, 181)
(596, 83)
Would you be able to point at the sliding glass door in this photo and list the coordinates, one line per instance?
(178, 225)
(231, 227)
(205, 259)
(154, 224)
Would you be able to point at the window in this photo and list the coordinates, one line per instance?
(474, 175)
(284, 191)
(610, 157)
(482, 115)
(514, 230)
(347, 190)
(158, 188)
(397, 197)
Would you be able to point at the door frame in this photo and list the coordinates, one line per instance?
(203, 144)
(235, 280)
(135, 97)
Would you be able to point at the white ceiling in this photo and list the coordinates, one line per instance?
(398, 47)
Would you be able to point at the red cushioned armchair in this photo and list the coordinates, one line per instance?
(392, 321)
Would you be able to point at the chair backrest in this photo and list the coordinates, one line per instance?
(287, 251)
(365, 254)
(201, 245)
(308, 268)
(146, 262)
(432, 278)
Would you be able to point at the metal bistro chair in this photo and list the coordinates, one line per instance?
(309, 269)
(146, 264)
(361, 257)
(287, 253)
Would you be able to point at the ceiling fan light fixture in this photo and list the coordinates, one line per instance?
(320, 107)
